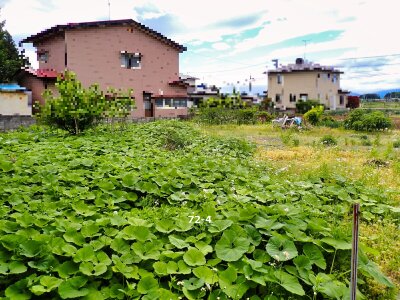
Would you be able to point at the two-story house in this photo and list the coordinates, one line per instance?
(122, 54)
(306, 81)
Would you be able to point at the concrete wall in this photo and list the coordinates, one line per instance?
(318, 88)
(14, 103)
(14, 122)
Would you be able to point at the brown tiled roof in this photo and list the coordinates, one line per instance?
(129, 22)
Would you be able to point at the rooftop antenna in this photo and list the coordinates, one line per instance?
(275, 61)
(305, 48)
(109, 10)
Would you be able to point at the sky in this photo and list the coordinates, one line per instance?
(230, 42)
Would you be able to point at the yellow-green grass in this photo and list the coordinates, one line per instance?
(369, 158)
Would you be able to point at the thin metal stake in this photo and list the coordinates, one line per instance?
(354, 252)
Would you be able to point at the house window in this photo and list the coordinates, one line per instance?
(131, 60)
(341, 99)
(43, 56)
(170, 102)
(304, 97)
(167, 102)
(278, 98)
(292, 98)
(159, 102)
(180, 102)
(279, 78)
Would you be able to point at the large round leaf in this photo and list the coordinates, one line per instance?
(231, 246)
(281, 249)
(194, 257)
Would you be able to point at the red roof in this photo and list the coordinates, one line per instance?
(43, 73)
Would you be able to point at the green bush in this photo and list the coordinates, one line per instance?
(264, 116)
(313, 116)
(396, 144)
(220, 115)
(328, 140)
(363, 120)
(304, 106)
(76, 109)
(330, 122)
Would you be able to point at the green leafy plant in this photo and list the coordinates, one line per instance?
(76, 108)
(328, 140)
(121, 216)
(364, 120)
(304, 106)
(314, 114)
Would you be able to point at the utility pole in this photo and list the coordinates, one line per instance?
(305, 47)
(109, 10)
(250, 86)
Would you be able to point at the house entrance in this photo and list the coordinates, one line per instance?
(148, 105)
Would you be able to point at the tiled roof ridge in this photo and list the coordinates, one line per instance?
(61, 28)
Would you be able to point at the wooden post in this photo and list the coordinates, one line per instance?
(354, 252)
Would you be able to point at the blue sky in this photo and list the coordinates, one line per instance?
(230, 41)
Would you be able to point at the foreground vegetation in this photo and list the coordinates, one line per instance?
(161, 211)
(371, 159)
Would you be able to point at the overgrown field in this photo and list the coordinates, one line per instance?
(161, 211)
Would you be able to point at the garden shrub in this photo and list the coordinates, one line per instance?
(363, 120)
(264, 116)
(330, 122)
(219, 116)
(328, 140)
(314, 114)
(304, 106)
(76, 108)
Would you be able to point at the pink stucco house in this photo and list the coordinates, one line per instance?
(120, 54)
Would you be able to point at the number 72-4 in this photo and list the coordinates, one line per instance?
(197, 219)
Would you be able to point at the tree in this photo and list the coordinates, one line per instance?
(10, 60)
(353, 101)
(76, 109)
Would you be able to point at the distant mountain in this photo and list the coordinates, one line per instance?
(384, 92)
(381, 93)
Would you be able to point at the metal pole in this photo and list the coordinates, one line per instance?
(354, 252)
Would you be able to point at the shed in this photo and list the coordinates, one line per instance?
(15, 100)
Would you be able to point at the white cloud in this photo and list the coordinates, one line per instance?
(368, 29)
(220, 46)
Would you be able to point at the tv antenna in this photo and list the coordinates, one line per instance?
(109, 10)
(275, 61)
(305, 47)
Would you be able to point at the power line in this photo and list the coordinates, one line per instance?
(337, 66)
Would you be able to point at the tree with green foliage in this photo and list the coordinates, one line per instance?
(364, 120)
(76, 109)
(392, 95)
(371, 96)
(10, 60)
